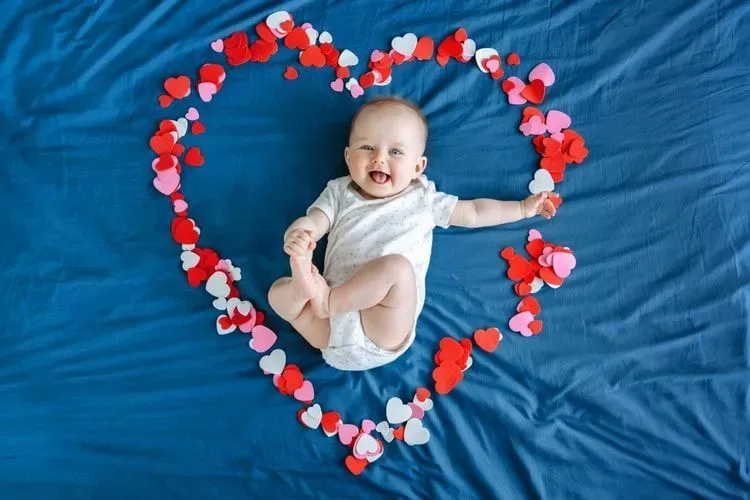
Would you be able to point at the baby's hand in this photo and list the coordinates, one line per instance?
(538, 204)
(299, 242)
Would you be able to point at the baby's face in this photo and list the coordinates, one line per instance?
(385, 150)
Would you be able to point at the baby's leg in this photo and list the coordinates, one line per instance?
(384, 291)
(290, 299)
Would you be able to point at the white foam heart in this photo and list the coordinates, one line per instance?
(274, 20)
(537, 285)
(244, 307)
(188, 247)
(182, 126)
(469, 362)
(542, 182)
(470, 48)
(312, 416)
(217, 285)
(405, 45)
(396, 411)
(372, 458)
(414, 433)
(383, 83)
(231, 305)
(348, 58)
(325, 37)
(312, 35)
(426, 405)
(189, 259)
(273, 363)
(220, 303)
(366, 446)
(482, 55)
(350, 83)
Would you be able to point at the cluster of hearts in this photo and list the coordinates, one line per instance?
(549, 264)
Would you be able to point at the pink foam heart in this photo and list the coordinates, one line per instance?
(534, 126)
(544, 73)
(516, 99)
(338, 85)
(192, 114)
(347, 433)
(155, 162)
(534, 235)
(520, 323)
(275, 378)
(356, 91)
(416, 410)
(492, 65)
(218, 45)
(263, 339)
(206, 90)
(306, 26)
(562, 263)
(559, 137)
(305, 393)
(544, 258)
(368, 426)
(167, 184)
(249, 325)
(376, 55)
(179, 206)
(518, 85)
(557, 121)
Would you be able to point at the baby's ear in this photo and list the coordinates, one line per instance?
(421, 165)
(346, 155)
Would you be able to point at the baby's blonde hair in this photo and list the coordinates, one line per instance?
(391, 100)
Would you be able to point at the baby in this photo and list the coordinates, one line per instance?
(362, 311)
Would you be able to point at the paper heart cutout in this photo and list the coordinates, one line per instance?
(367, 426)
(425, 404)
(534, 235)
(224, 325)
(520, 323)
(347, 433)
(337, 85)
(424, 49)
(348, 58)
(355, 465)
(365, 446)
(356, 91)
(220, 303)
(206, 91)
(218, 45)
(167, 183)
(542, 182)
(534, 126)
(415, 434)
(405, 45)
(330, 423)
(274, 362)
(446, 377)
(562, 263)
(534, 91)
(189, 259)
(263, 338)
(396, 411)
(325, 37)
(305, 393)
(217, 285)
(178, 88)
(312, 416)
(544, 73)
(416, 410)
(557, 121)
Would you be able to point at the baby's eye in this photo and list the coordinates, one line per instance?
(395, 151)
(366, 147)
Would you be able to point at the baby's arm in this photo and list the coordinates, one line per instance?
(302, 235)
(485, 212)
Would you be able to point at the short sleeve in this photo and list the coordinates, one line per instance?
(328, 200)
(441, 205)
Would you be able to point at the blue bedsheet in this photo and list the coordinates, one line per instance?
(114, 384)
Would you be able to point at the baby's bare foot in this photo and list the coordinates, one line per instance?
(319, 300)
(303, 277)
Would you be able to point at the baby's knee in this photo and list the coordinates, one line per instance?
(273, 292)
(399, 266)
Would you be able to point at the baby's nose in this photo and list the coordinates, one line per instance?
(378, 156)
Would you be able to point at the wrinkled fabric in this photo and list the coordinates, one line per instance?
(113, 382)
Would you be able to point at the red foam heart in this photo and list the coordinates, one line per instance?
(522, 288)
(197, 128)
(177, 150)
(513, 59)
(194, 158)
(293, 379)
(549, 276)
(264, 32)
(261, 50)
(556, 200)
(287, 25)
(238, 56)
(330, 421)
(343, 72)
(312, 56)
(212, 72)
(178, 87)
(535, 247)
(536, 326)
(367, 80)
(450, 47)
(355, 465)
(534, 92)
(196, 276)
(518, 268)
(290, 73)
(529, 304)
(442, 60)
(487, 339)
(446, 376)
(530, 111)
(235, 40)
(422, 394)
(424, 49)
(450, 351)
(460, 35)
(507, 253)
(164, 100)
(399, 433)
(162, 144)
(297, 39)
(183, 231)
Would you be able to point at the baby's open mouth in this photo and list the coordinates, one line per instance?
(379, 177)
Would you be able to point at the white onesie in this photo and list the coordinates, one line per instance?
(363, 230)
